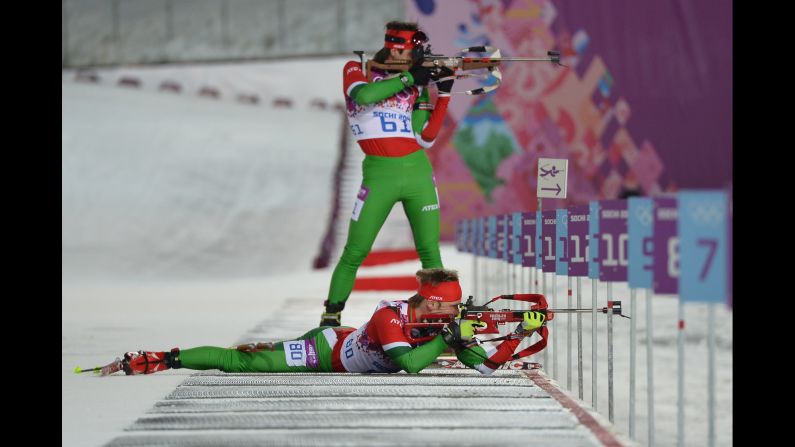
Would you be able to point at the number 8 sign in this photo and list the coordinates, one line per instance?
(702, 245)
(667, 257)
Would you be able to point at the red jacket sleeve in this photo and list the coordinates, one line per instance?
(386, 329)
(437, 118)
(352, 75)
(503, 354)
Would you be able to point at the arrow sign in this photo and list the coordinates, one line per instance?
(556, 189)
(552, 177)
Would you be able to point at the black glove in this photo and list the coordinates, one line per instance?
(420, 74)
(460, 331)
(445, 86)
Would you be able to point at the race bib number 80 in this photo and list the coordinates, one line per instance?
(301, 353)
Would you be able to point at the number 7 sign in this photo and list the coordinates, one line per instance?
(702, 245)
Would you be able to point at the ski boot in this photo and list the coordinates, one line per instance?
(333, 314)
(148, 362)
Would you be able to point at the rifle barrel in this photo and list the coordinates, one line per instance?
(525, 59)
(603, 310)
(522, 59)
(569, 310)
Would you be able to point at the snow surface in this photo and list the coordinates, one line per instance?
(162, 186)
(187, 221)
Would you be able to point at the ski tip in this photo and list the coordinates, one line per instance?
(78, 370)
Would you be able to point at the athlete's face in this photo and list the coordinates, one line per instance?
(447, 308)
(400, 55)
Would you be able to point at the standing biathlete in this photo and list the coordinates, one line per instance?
(380, 345)
(392, 119)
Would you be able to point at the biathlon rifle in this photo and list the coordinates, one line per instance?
(491, 62)
(432, 324)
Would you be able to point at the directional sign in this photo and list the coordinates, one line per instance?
(613, 240)
(529, 239)
(548, 228)
(702, 244)
(640, 243)
(665, 275)
(516, 238)
(552, 175)
(562, 242)
(578, 240)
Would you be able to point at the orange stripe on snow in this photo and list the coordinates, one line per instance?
(389, 256)
(605, 437)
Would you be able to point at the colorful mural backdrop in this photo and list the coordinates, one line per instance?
(643, 107)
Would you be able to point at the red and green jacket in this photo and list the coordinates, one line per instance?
(387, 117)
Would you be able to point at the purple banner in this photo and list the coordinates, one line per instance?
(483, 234)
(666, 246)
(676, 111)
(500, 241)
(646, 114)
(578, 240)
(469, 236)
(469, 244)
(548, 229)
(614, 237)
(516, 238)
(507, 254)
(528, 239)
(491, 235)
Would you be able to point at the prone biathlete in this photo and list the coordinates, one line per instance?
(380, 345)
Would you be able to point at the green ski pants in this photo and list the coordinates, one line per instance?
(386, 181)
(287, 356)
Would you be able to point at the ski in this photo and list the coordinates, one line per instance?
(110, 368)
(454, 363)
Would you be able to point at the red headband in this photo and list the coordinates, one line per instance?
(448, 291)
(405, 35)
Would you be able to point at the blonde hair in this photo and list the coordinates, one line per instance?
(436, 276)
(433, 276)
